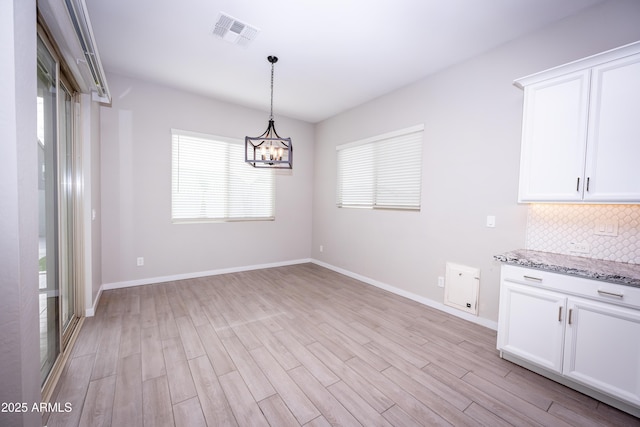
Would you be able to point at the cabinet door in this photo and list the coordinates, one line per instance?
(531, 324)
(602, 348)
(554, 134)
(613, 148)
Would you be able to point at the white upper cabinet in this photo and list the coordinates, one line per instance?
(581, 131)
(613, 141)
(554, 135)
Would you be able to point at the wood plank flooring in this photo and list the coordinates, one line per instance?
(299, 345)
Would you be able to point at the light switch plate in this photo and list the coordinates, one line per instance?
(491, 221)
(607, 227)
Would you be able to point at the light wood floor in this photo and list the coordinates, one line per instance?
(299, 345)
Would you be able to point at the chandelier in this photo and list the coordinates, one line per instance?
(269, 150)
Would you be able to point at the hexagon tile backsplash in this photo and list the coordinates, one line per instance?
(555, 227)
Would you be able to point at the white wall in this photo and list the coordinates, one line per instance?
(96, 223)
(472, 117)
(19, 320)
(89, 130)
(136, 188)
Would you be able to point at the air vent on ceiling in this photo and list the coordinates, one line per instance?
(234, 31)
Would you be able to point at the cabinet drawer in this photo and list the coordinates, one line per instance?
(612, 293)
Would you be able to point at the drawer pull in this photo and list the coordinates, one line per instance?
(570, 311)
(610, 294)
(535, 279)
(560, 314)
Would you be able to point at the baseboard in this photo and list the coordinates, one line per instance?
(152, 280)
(422, 300)
(91, 311)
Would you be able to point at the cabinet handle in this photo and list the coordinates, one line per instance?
(578, 184)
(570, 311)
(560, 314)
(610, 294)
(588, 178)
(535, 279)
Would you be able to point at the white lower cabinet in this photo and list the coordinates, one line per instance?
(602, 348)
(529, 325)
(581, 332)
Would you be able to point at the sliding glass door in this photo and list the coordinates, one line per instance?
(67, 199)
(57, 201)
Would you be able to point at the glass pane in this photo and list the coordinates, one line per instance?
(65, 154)
(48, 209)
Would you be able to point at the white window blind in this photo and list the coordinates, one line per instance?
(211, 181)
(383, 172)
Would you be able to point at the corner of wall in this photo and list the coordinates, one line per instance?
(91, 311)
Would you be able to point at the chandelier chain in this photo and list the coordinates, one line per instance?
(271, 114)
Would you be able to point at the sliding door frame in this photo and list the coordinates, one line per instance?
(69, 184)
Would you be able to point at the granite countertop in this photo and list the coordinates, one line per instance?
(597, 269)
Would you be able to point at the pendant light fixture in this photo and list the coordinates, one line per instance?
(269, 150)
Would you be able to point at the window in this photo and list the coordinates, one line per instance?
(383, 172)
(211, 182)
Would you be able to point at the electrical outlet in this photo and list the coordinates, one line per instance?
(140, 261)
(579, 247)
(440, 282)
(321, 248)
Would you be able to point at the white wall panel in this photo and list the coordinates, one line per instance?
(136, 188)
(472, 115)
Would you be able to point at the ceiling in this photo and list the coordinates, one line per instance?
(333, 54)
